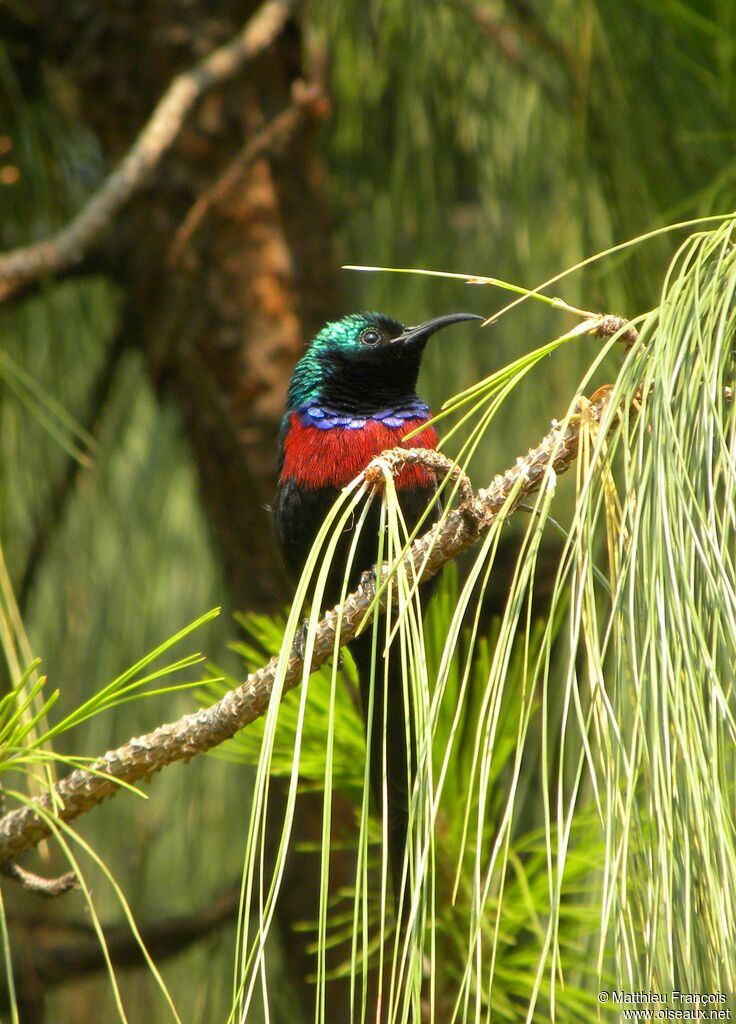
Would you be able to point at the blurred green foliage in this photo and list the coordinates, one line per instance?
(520, 898)
(503, 138)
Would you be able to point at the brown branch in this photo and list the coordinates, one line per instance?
(64, 962)
(309, 101)
(68, 246)
(198, 732)
(49, 888)
(31, 882)
(102, 258)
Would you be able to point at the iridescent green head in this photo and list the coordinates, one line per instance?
(364, 362)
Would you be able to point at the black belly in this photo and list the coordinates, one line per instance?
(300, 512)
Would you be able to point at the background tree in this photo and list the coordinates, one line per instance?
(507, 139)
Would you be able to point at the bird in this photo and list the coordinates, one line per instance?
(352, 395)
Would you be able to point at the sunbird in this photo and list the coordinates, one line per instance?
(351, 396)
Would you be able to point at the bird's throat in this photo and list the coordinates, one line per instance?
(362, 383)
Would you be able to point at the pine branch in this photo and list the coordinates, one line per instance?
(49, 888)
(200, 731)
(65, 249)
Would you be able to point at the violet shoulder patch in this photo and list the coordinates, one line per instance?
(314, 415)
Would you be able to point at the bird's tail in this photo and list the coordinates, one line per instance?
(392, 717)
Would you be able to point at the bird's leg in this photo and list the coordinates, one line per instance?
(299, 645)
(368, 579)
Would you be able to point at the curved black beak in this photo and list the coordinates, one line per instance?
(413, 335)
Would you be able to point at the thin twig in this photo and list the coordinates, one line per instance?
(31, 882)
(56, 963)
(68, 246)
(308, 101)
(49, 888)
(200, 731)
(611, 324)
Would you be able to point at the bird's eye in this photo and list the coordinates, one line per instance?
(370, 336)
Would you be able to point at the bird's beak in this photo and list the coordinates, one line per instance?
(412, 335)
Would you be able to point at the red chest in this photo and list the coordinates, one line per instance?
(331, 458)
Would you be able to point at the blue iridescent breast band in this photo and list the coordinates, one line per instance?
(314, 415)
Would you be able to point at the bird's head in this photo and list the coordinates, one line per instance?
(364, 361)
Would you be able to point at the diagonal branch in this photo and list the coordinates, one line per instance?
(198, 732)
(308, 101)
(67, 247)
(58, 963)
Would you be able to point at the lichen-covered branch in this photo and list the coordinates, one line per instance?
(68, 246)
(202, 730)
